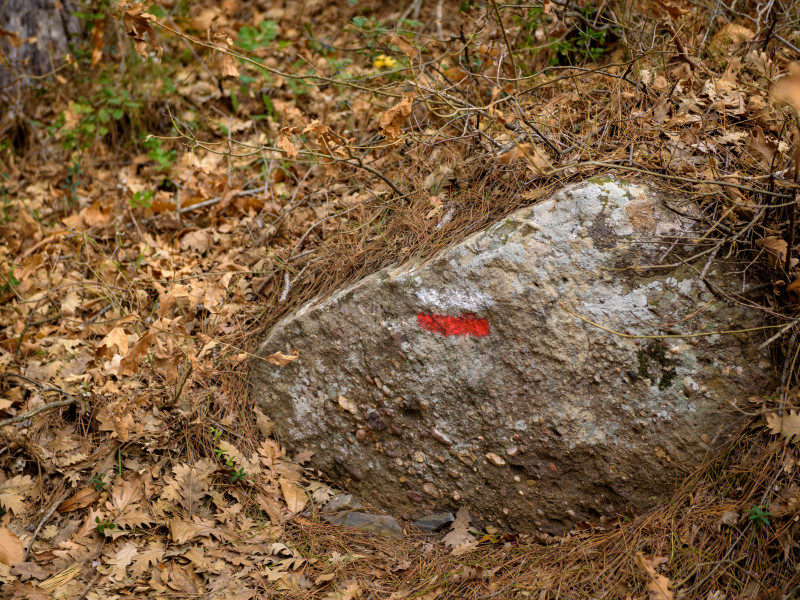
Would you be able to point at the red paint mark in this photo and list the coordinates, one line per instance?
(447, 325)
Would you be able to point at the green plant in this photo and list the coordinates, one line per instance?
(98, 483)
(11, 281)
(103, 525)
(237, 475)
(141, 199)
(251, 38)
(588, 45)
(221, 453)
(163, 158)
(73, 179)
(5, 203)
(577, 46)
(759, 516)
(370, 29)
(91, 18)
(92, 115)
(142, 255)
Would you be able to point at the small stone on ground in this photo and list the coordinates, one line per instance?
(377, 524)
(342, 502)
(434, 522)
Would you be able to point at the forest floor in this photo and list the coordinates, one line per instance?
(194, 171)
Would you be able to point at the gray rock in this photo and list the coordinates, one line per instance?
(341, 502)
(377, 524)
(434, 522)
(548, 414)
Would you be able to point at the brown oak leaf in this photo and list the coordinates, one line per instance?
(391, 121)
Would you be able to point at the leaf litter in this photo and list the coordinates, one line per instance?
(132, 300)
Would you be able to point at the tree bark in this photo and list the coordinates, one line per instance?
(34, 39)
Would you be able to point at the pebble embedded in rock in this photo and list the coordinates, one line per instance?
(495, 459)
(374, 421)
(431, 490)
(415, 496)
(440, 437)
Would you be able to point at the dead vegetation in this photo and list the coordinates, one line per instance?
(296, 148)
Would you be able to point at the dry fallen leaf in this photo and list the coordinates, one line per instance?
(391, 122)
(331, 144)
(80, 499)
(670, 8)
(455, 74)
(97, 41)
(762, 151)
(14, 491)
(189, 485)
(303, 456)
(28, 570)
(228, 66)
(118, 564)
(183, 530)
(350, 591)
(787, 425)
(116, 342)
(294, 495)
(729, 37)
(776, 250)
(787, 88)
(281, 359)
(12, 37)
(729, 517)
(405, 46)
(459, 537)
(11, 550)
(285, 141)
(137, 26)
(146, 558)
(471, 573)
(120, 425)
(658, 586)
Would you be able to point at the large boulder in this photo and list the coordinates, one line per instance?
(534, 372)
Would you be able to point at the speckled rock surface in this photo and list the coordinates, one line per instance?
(470, 380)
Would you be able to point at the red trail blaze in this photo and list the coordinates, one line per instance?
(447, 325)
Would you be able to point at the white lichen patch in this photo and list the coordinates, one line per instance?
(452, 298)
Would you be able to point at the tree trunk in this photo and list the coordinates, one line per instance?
(34, 38)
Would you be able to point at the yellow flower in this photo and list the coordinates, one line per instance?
(382, 61)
